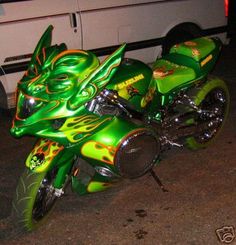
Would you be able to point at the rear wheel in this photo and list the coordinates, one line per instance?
(213, 100)
(34, 199)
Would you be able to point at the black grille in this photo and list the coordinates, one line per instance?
(137, 154)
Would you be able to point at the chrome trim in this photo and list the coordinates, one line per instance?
(126, 141)
(11, 100)
(106, 172)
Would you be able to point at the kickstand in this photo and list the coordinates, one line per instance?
(158, 180)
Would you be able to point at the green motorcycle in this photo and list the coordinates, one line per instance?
(97, 123)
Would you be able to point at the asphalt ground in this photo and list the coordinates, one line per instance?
(198, 209)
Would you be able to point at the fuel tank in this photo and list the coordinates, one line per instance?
(132, 82)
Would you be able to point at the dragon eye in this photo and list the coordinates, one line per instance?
(61, 77)
(59, 83)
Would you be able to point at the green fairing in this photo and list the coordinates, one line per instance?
(97, 80)
(106, 141)
(44, 42)
(58, 85)
(53, 93)
(131, 81)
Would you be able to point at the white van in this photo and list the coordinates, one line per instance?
(146, 26)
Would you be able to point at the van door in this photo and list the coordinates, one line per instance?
(21, 30)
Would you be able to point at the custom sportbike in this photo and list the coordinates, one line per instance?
(97, 123)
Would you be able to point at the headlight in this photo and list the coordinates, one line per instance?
(27, 106)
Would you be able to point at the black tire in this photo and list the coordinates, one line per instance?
(175, 38)
(212, 96)
(179, 34)
(33, 199)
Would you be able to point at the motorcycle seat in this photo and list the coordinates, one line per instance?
(199, 54)
(169, 75)
(198, 48)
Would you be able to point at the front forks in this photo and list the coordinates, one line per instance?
(63, 178)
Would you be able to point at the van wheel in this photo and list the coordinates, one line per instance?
(181, 33)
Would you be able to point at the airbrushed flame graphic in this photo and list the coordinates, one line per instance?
(95, 186)
(99, 151)
(42, 154)
(77, 128)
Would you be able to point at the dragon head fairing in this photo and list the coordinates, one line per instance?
(58, 84)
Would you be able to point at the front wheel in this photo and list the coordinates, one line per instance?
(213, 101)
(34, 199)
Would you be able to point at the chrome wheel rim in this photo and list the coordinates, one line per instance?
(45, 198)
(212, 113)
